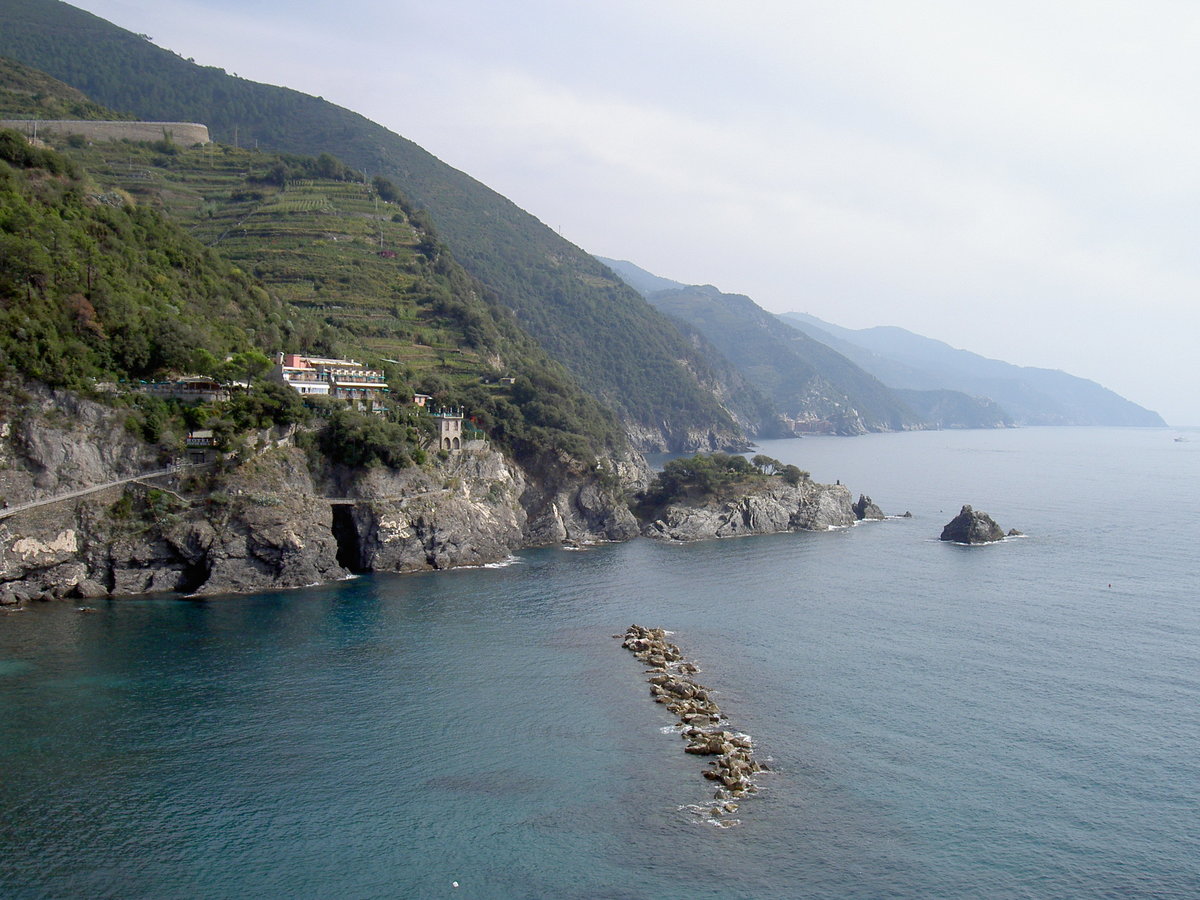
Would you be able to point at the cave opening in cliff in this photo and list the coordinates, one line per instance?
(193, 576)
(345, 532)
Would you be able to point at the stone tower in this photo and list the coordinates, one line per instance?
(450, 422)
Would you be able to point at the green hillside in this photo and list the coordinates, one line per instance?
(30, 93)
(95, 287)
(363, 274)
(619, 347)
(131, 260)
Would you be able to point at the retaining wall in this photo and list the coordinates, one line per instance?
(185, 134)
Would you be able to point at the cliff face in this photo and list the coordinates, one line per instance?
(663, 438)
(765, 509)
(279, 520)
(54, 441)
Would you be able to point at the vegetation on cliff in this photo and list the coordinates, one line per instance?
(95, 287)
(364, 274)
(280, 253)
(30, 93)
(621, 349)
(706, 475)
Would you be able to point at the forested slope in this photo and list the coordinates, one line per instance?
(130, 260)
(619, 347)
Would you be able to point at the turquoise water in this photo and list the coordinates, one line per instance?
(1019, 720)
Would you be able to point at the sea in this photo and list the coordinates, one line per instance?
(1017, 720)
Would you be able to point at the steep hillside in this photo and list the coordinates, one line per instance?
(618, 346)
(1033, 396)
(93, 286)
(99, 288)
(27, 92)
(817, 389)
(645, 283)
(111, 287)
(954, 409)
(810, 384)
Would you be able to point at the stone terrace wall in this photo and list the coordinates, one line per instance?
(183, 133)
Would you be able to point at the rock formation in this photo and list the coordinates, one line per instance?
(699, 718)
(765, 508)
(971, 526)
(280, 519)
(864, 508)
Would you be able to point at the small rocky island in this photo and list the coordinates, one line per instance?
(720, 496)
(699, 719)
(972, 526)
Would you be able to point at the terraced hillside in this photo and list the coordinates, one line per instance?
(325, 245)
(621, 349)
(350, 270)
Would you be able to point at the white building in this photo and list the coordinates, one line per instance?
(342, 379)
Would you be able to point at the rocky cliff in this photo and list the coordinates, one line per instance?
(283, 518)
(766, 508)
(52, 442)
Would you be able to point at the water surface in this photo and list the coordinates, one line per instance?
(1018, 720)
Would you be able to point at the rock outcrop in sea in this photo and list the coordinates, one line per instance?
(701, 721)
(768, 507)
(971, 526)
(865, 508)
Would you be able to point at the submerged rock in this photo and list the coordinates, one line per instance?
(971, 526)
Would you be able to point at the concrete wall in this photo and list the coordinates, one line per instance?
(185, 134)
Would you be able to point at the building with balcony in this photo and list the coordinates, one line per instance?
(343, 379)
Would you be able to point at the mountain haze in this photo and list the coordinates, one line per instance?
(622, 349)
(645, 283)
(1033, 396)
(814, 387)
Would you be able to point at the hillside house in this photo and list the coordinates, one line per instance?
(188, 389)
(201, 446)
(343, 379)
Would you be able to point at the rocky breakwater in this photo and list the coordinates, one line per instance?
(973, 526)
(768, 507)
(701, 721)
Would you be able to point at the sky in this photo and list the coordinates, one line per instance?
(1018, 179)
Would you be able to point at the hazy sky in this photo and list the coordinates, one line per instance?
(1019, 179)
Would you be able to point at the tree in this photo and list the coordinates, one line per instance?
(328, 166)
(793, 474)
(248, 365)
(766, 464)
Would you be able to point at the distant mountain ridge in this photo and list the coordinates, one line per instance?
(1033, 396)
(645, 283)
(619, 347)
(816, 388)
